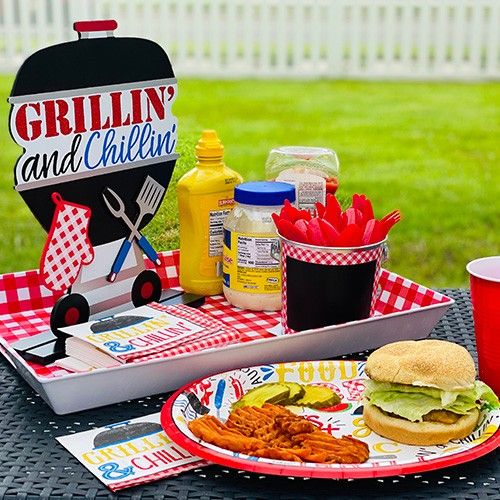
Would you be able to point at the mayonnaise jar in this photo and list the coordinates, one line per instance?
(251, 250)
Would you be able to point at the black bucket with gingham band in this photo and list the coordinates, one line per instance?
(327, 286)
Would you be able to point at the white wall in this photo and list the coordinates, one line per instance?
(368, 39)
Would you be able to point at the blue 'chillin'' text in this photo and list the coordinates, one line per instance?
(142, 143)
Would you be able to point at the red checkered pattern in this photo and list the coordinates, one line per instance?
(168, 270)
(24, 291)
(67, 247)
(157, 476)
(355, 389)
(17, 326)
(401, 294)
(195, 344)
(23, 324)
(253, 324)
(215, 334)
(330, 256)
(25, 307)
(327, 257)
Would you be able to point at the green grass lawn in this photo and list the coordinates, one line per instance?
(429, 149)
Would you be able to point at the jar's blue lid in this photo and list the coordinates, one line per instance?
(264, 193)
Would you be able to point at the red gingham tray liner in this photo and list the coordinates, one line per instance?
(25, 307)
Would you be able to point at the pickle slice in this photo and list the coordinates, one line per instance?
(318, 396)
(272, 393)
(297, 391)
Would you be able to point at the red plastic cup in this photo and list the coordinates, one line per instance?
(485, 295)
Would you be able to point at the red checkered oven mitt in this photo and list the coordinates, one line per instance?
(67, 247)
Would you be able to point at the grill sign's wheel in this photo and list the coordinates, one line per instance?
(69, 310)
(146, 288)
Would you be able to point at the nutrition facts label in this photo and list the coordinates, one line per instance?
(310, 188)
(215, 230)
(309, 192)
(251, 263)
(258, 252)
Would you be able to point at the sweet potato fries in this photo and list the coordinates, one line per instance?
(275, 432)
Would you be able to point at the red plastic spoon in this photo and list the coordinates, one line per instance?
(330, 234)
(350, 237)
(314, 232)
(367, 234)
(290, 232)
(333, 212)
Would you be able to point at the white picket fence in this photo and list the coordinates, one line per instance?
(370, 39)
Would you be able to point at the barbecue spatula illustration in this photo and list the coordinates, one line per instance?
(148, 201)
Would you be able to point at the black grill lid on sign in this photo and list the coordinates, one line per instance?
(96, 59)
(95, 65)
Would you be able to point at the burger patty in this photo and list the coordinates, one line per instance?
(440, 416)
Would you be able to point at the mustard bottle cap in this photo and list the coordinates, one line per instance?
(209, 146)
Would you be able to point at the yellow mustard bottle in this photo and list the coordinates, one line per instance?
(205, 197)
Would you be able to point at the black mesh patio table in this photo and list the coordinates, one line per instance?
(34, 465)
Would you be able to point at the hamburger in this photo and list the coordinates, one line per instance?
(423, 392)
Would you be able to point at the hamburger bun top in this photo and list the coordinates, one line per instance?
(429, 363)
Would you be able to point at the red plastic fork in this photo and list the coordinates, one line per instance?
(389, 220)
(390, 215)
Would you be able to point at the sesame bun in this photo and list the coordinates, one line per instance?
(430, 363)
(418, 433)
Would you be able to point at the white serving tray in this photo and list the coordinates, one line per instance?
(81, 391)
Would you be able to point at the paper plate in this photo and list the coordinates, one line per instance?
(214, 395)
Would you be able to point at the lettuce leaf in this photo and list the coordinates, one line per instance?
(486, 394)
(413, 402)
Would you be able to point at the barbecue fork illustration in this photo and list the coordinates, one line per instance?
(148, 201)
